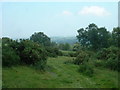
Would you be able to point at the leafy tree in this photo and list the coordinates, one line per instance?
(116, 36)
(93, 37)
(104, 36)
(51, 48)
(82, 37)
(41, 38)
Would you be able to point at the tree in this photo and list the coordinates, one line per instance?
(93, 37)
(104, 37)
(41, 38)
(82, 37)
(116, 36)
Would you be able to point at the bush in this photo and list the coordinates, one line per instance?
(40, 65)
(71, 54)
(57, 51)
(110, 56)
(105, 53)
(31, 56)
(10, 58)
(86, 70)
(23, 52)
(9, 55)
(112, 64)
(31, 52)
(81, 58)
(53, 52)
(99, 63)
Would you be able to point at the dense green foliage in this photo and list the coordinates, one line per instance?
(41, 38)
(77, 47)
(53, 52)
(50, 47)
(105, 43)
(110, 57)
(22, 52)
(94, 37)
(116, 36)
(31, 53)
(82, 58)
(86, 69)
(9, 55)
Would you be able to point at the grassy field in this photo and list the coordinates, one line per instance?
(57, 75)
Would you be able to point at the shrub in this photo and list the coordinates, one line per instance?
(57, 51)
(112, 64)
(86, 69)
(53, 52)
(99, 63)
(40, 65)
(31, 52)
(9, 55)
(110, 56)
(71, 54)
(31, 56)
(105, 53)
(24, 52)
(81, 58)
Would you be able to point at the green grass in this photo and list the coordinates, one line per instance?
(57, 75)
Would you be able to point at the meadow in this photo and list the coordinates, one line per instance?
(58, 75)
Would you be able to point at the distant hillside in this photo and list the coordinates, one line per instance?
(70, 40)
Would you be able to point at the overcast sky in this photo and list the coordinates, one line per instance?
(22, 19)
